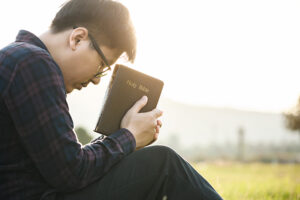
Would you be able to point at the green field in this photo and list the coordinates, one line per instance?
(235, 181)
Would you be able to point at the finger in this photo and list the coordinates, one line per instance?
(155, 136)
(139, 104)
(157, 113)
(157, 129)
(159, 123)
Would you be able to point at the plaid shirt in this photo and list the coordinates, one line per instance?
(38, 148)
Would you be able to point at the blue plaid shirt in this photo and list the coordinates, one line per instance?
(38, 148)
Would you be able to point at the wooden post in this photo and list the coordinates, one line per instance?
(241, 144)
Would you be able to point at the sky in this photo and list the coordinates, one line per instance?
(234, 53)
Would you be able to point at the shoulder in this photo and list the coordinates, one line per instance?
(18, 52)
(28, 63)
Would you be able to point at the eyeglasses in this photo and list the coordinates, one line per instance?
(101, 72)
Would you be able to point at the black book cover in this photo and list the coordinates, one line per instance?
(125, 88)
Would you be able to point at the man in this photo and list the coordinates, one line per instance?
(40, 157)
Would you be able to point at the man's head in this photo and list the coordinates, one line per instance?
(84, 26)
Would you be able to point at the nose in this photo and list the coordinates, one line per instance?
(95, 80)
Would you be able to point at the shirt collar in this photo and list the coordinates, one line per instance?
(28, 37)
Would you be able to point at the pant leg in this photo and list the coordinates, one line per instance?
(152, 173)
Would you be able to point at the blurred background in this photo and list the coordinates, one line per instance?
(231, 72)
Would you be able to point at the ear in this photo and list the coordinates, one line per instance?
(77, 36)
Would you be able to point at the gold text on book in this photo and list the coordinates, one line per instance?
(131, 83)
(143, 88)
(134, 85)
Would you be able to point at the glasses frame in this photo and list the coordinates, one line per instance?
(100, 52)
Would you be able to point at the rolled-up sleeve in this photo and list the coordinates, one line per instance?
(36, 100)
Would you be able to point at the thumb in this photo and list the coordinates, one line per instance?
(139, 104)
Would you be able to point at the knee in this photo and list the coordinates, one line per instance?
(154, 156)
(160, 152)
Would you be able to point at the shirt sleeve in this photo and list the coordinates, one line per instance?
(36, 101)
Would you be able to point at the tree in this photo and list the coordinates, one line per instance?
(292, 118)
(83, 136)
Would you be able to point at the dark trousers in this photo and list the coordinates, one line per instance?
(152, 173)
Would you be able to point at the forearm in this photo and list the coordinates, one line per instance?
(95, 159)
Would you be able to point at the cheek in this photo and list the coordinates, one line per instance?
(90, 63)
(84, 65)
(84, 69)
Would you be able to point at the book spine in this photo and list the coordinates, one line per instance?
(107, 94)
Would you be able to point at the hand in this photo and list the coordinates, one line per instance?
(144, 126)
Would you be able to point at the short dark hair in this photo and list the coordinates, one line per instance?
(108, 20)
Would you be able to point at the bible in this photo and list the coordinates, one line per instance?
(125, 88)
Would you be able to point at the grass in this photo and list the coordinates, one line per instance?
(256, 181)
